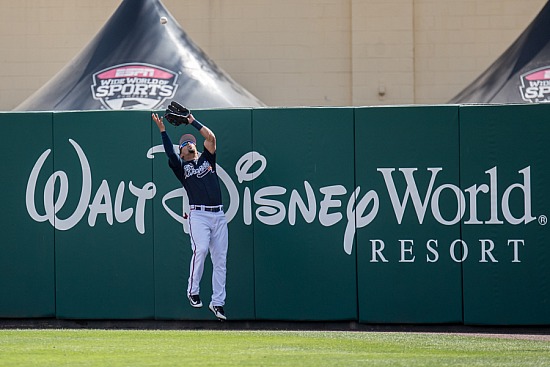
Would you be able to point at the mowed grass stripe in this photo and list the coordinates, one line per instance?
(263, 348)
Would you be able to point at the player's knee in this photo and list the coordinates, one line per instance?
(201, 252)
(219, 266)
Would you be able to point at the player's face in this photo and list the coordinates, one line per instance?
(188, 149)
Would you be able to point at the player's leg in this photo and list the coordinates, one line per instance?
(218, 253)
(199, 233)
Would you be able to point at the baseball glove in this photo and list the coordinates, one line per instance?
(176, 114)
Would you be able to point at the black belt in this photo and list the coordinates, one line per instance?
(206, 208)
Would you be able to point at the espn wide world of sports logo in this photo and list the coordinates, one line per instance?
(327, 206)
(134, 86)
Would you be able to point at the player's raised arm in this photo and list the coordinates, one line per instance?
(166, 142)
(207, 134)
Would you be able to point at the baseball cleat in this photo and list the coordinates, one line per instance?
(195, 300)
(218, 311)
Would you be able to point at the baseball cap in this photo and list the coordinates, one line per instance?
(187, 138)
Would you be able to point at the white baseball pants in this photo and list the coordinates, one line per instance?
(208, 232)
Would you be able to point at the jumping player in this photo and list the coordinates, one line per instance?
(207, 222)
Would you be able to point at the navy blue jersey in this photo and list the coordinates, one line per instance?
(199, 178)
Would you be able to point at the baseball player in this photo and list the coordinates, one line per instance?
(207, 222)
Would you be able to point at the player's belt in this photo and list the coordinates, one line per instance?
(207, 208)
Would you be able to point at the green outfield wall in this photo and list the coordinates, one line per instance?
(402, 214)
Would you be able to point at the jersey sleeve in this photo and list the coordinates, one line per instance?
(174, 161)
(211, 158)
(169, 150)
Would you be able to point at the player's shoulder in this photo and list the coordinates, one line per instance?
(206, 153)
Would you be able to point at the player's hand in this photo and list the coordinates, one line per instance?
(158, 121)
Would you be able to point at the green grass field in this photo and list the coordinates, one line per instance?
(263, 348)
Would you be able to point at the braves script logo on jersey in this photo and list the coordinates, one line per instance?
(200, 171)
(535, 85)
(134, 86)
